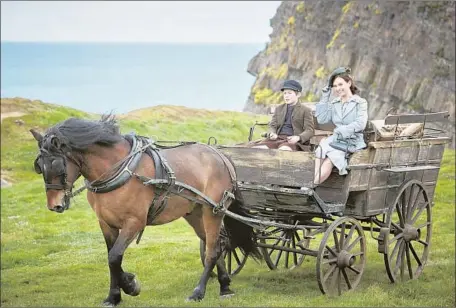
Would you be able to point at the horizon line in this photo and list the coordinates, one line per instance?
(132, 42)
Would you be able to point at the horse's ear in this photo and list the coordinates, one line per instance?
(38, 137)
(55, 142)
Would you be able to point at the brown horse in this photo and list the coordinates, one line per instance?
(118, 172)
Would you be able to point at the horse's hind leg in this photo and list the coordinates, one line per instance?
(117, 243)
(212, 226)
(223, 276)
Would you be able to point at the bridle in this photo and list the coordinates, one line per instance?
(62, 172)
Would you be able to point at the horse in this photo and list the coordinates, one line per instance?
(128, 178)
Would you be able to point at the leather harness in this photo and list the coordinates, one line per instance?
(164, 181)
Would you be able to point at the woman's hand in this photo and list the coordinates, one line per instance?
(337, 71)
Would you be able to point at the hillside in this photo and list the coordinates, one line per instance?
(59, 260)
(402, 53)
(18, 148)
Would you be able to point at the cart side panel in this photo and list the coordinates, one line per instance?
(436, 152)
(373, 189)
(268, 204)
(359, 175)
(293, 169)
(334, 189)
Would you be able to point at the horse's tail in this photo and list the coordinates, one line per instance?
(240, 234)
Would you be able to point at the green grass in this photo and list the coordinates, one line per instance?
(50, 259)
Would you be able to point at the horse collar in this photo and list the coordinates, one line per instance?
(124, 171)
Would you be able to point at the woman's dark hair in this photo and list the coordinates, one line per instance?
(347, 77)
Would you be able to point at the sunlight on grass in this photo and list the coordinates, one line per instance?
(51, 259)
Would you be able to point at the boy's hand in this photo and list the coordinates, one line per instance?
(273, 136)
(293, 139)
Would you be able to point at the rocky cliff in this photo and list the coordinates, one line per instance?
(402, 53)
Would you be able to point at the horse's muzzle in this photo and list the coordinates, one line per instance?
(58, 209)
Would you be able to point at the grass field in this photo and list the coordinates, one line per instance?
(50, 259)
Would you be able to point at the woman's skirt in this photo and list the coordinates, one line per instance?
(337, 157)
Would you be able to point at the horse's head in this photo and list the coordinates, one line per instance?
(59, 168)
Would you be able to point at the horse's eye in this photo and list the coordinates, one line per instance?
(37, 166)
(57, 166)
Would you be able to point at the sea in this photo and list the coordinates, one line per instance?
(121, 77)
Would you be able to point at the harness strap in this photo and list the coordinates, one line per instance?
(227, 163)
(163, 172)
(125, 171)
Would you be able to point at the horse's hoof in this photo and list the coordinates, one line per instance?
(110, 302)
(226, 294)
(131, 285)
(195, 297)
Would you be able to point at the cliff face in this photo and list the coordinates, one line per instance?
(402, 53)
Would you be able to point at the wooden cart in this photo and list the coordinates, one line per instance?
(388, 192)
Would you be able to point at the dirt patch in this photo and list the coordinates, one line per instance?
(4, 183)
(13, 114)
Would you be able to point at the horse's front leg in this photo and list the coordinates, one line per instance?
(110, 236)
(117, 243)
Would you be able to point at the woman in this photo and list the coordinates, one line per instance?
(348, 112)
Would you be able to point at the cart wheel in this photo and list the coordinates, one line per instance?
(234, 259)
(341, 257)
(280, 239)
(407, 241)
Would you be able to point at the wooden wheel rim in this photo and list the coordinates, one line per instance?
(275, 258)
(341, 260)
(410, 241)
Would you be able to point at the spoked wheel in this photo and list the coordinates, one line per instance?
(283, 248)
(408, 235)
(234, 259)
(341, 257)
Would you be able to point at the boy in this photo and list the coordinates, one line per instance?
(292, 124)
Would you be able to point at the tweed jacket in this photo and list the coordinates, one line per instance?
(301, 120)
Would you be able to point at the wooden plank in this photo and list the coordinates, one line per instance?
(356, 203)
(411, 168)
(276, 189)
(265, 166)
(266, 203)
(408, 142)
(361, 157)
(334, 189)
(436, 152)
(431, 175)
(416, 118)
(404, 155)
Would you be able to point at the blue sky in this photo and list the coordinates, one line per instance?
(138, 21)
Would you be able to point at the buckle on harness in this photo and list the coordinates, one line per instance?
(227, 196)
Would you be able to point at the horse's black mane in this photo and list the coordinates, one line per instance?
(79, 134)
